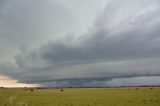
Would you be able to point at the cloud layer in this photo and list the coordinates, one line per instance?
(122, 43)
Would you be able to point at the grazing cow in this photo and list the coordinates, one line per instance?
(32, 90)
(29, 89)
(62, 90)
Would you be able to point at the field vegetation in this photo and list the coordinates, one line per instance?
(142, 96)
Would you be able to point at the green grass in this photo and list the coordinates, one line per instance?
(81, 97)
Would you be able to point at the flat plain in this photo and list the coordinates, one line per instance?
(131, 96)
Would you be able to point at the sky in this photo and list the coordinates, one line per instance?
(79, 43)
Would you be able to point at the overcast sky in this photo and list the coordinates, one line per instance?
(79, 42)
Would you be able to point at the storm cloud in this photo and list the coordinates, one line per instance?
(123, 42)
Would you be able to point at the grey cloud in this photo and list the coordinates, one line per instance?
(104, 82)
(30, 23)
(120, 44)
(26, 18)
(136, 81)
(133, 40)
(9, 69)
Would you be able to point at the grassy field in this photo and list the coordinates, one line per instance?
(81, 97)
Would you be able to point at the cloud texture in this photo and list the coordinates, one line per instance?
(124, 42)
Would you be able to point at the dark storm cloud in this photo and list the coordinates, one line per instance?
(136, 38)
(121, 44)
(131, 40)
(30, 23)
(9, 69)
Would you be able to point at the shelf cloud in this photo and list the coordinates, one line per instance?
(123, 42)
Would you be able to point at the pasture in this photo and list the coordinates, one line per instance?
(81, 97)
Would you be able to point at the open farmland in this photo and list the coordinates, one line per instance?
(81, 97)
